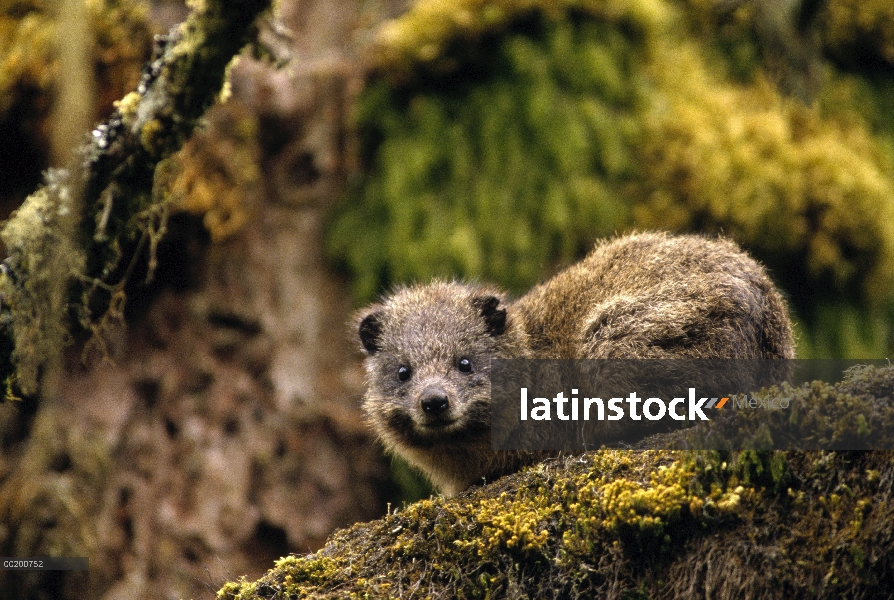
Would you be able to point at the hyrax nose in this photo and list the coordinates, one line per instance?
(434, 401)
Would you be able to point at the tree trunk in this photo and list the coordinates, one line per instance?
(224, 432)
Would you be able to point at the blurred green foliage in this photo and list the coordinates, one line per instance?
(811, 194)
(501, 138)
(497, 173)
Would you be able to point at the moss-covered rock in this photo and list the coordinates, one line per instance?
(629, 524)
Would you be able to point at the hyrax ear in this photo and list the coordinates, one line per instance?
(494, 316)
(370, 331)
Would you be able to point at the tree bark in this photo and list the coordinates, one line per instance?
(65, 242)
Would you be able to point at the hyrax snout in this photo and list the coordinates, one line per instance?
(649, 295)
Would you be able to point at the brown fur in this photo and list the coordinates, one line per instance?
(647, 295)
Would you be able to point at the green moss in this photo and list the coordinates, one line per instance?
(771, 173)
(841, 328)
(427, 35)
(858, 31)
(496, 174)
(501, 138)
(238, 590)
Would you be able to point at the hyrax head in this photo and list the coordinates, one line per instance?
(428, 351)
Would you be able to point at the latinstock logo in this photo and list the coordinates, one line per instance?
(539, 405)
(653, 409)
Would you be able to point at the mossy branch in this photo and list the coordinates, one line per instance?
(65, 241)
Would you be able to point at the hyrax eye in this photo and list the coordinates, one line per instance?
(403, 373)
(465, 365)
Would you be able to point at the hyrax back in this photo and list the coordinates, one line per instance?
(649, 295)
(658, 296)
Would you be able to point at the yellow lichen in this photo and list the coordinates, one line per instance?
(867, 23)
(127, 105)
(28, 58)
(427, 30)
(218, 173)
(770, 172)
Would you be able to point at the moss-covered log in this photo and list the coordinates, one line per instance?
(65, 244)
(631, 524)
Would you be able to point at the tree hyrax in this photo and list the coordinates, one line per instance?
(648, 295)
